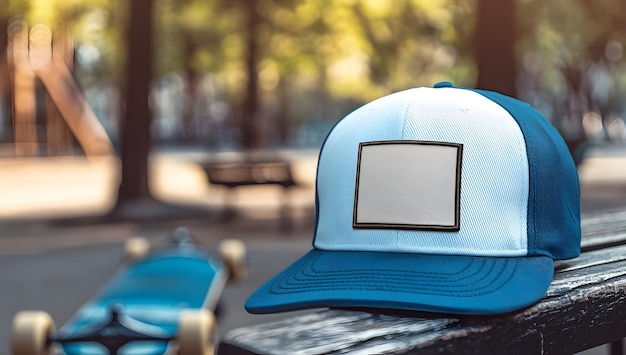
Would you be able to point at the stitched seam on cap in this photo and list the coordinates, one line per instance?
(276, 286)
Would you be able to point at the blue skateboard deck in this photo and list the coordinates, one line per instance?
(148, 296)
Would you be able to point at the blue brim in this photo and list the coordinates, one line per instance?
(433, 283)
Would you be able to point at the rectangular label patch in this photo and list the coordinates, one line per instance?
(408, 185)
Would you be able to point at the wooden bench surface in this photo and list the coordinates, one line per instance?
(584, 307)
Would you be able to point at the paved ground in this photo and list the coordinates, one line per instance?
(54, 257)
(55, 252)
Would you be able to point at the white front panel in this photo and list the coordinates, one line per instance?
(410, 184)
(494, 174)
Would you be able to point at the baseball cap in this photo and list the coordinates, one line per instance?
(438, 199)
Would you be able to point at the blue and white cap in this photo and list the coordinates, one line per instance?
(439, 199)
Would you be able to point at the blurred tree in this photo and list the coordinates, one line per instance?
(256, 19)
(333, 52)
(296, 64)
(603, 51)
(379, 46)
(568, 71)
(283, 62)
(394, 34)
(495, 38)
(249, 118)
(572, 66)
(135, 135)
(189, 44)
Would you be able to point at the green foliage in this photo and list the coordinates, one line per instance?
(566, 45)
(351, 49)
(345, 51)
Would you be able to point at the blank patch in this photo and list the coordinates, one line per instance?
(408, 184)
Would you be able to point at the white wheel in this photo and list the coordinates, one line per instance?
(233, 253)
(196, 333)
(135, 248)
(31, 331)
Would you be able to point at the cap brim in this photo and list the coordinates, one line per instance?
(433, 283)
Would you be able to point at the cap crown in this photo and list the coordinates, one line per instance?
(447, 171)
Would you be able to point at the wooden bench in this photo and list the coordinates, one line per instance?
(584, 307)
(249, 173)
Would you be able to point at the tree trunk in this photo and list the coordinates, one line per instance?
(249, 124)
(496, 35)
(190, 133)
(135, 137)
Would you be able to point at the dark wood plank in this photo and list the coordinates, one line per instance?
(603, 230)
(604, 223)
(584, 307)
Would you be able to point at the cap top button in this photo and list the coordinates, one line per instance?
(443, 84)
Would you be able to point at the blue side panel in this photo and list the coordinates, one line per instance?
(554, 200)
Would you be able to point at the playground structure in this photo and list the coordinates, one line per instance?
(34, 63)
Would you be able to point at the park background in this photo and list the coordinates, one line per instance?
(107, 107)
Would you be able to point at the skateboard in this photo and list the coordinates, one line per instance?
(160, 301)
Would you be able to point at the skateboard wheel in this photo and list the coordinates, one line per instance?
(233, 254)
(196, 333)
(31, 333)
(135, 248)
